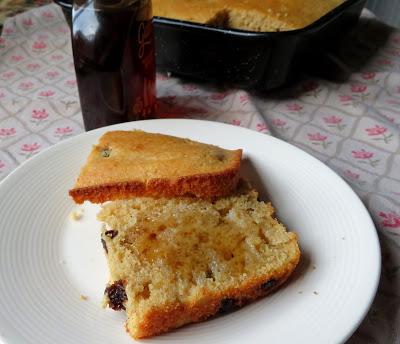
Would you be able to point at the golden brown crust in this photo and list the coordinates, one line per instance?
(143, 164)
(201, 186)
(210, 304)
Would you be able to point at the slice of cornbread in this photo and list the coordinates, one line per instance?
(251, 15)
(177, 261)
(135, 163)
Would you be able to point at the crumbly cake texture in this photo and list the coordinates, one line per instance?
(127, 164)
(183, 260)
(252, 15)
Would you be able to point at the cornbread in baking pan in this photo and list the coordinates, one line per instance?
(251, 15)
(125, 164)
(183, 260)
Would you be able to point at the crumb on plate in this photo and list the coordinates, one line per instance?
(76, 215)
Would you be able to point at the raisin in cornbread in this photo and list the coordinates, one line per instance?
(177, 261)
(252, 15)
(125, 164)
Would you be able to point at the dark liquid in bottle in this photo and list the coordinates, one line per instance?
(113, 49)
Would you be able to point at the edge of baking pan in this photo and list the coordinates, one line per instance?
(245, 59)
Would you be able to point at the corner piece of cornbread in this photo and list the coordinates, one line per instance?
(127, 164)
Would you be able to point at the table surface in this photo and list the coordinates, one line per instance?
(353, 126)
(9, 8)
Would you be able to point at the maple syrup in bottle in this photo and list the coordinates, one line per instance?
(113, 48)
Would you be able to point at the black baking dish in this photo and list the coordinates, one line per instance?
(252, 60)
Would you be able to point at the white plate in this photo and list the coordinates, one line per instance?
(48, 261)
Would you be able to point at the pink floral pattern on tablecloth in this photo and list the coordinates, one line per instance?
(335, 122)
(364, 157)
(30, 149)
(47, 94)
(390, 220)
(262, 127)
(294, 108)
(354, 126)
(379, 133)
(7, 132)
(63, 132)
(318, 139)
(39, 116)
(39, 46)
